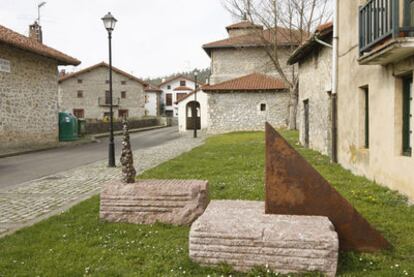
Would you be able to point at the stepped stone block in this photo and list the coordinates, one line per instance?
(241, 235)
(177, 202)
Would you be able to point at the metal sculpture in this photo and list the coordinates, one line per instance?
(127, 159)
(294, 187)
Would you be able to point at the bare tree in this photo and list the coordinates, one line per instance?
(287, 24)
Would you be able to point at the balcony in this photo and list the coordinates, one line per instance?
(386, 32)
(106, 102)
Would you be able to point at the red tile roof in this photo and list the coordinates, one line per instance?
(250, 83)
(182, 88)
(245, 24)
(284, 37)
(152, 88)
(322, 32)
(188, 95)
(102, 64)
(324, 27)
(17, 40)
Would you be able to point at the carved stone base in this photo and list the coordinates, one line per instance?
(177, 202)
(241, 235)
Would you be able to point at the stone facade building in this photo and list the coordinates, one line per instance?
(243, 52)
(315, 86)
(28, 88)
(375, 97)
(246, 103)
(85, 93)
(245, 90)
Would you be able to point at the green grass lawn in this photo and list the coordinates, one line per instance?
(76, 243)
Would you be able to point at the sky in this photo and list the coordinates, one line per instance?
(152, 38)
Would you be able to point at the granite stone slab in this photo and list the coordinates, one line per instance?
(241, 235)
(177, 202)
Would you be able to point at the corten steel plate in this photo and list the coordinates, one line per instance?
(294, 187)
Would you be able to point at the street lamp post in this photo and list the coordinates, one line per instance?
(195, 104)
(109, 23)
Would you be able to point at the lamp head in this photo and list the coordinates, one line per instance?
(109, 22)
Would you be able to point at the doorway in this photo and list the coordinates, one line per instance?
(193, 109)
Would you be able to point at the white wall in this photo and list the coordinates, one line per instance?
(151, 104)
(202, 98)
(174, 84)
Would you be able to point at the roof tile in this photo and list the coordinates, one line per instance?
(249, 83)
(102, 64)
(17, 40)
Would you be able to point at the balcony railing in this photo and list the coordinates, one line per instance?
(105, 101)
(380, 20)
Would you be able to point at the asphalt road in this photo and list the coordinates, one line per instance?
(18, 169)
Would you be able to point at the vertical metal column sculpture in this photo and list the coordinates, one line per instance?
(127, 159)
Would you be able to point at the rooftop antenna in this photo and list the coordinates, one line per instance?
(41, 4)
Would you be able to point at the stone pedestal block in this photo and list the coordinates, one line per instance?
(177, 202)
(241, 235)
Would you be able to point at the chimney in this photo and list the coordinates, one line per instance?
(35, 32)
(62, 73)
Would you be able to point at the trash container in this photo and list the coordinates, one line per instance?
(81, 127)
(68, 127)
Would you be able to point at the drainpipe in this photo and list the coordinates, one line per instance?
(334, 152)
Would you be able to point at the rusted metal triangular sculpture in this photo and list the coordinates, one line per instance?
(294, 187)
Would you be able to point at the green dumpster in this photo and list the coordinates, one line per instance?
(68, 127)
(81, 127)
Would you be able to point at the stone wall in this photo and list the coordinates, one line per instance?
(97, 127)
(94, 86)
(227, 64)
(241, 111)
(314, 85)
(28, 99)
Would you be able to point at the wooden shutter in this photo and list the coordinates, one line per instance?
(407, 128)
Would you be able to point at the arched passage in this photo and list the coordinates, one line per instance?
(193, 108)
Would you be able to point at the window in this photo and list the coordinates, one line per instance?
(107, 115)
(262, 107)
(182, 83)
(123, 82)
(107, 82)
(107, 97)
(80, 81)
(169, 113)
(79, 113)
(146, 99)
(80, 94)
(181, 96)
(169, 87)
(168, 99)
(407, 130)
(123, 113)
(365, 103)
(123, 94)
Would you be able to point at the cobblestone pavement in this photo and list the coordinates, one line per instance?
(30, 202)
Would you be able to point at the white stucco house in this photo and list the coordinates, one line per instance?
(173, 90)
(193, 103)
(152, 100)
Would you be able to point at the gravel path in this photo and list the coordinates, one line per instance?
(33, 201)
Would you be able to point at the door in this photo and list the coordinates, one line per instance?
(306, 121)
(193, 115)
